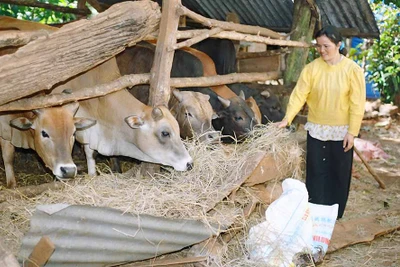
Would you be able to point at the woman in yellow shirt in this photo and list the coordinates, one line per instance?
(334, 88)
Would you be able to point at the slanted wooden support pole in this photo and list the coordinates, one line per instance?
(197, 38)
(369, 168)
(230, 26)
(75, 48)
(160, 91)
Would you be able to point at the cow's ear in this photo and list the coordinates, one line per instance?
(83, 123)
(178, 95)
(134, 121)
(241, 94)
(225, 102)
(214, 116)
(205, 97)
(72, 107)
(266, 93)
(21, 123)
(249, 103)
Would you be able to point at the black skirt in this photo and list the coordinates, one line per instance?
(328, 172)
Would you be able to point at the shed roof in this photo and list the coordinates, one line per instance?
(353, 17)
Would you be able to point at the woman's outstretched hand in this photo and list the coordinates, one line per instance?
(283, 123)
(348, 142)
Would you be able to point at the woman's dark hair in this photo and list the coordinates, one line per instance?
(334, 35)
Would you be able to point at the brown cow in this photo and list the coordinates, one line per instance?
(48, 131)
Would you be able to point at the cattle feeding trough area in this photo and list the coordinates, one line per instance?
(221, 190)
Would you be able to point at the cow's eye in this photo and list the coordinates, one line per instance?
(188, 114)
(238, 118)
(165, 134)
(45, 135)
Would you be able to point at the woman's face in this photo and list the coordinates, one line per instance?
(327, 49)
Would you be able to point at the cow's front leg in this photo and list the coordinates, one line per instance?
(91, 162)
(7, 151)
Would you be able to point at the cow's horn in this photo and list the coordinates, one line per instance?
(242, 96)
(178, 95)
(225, 102)
(266, 93)
(157, 114)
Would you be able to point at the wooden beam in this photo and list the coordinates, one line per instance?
(232, 35)
(128, 81)
(20, 38)
(197, 38)
(41, 253)
(75, 48)
(268, 53)
(63, 9)
(160, 91)
(230, 26)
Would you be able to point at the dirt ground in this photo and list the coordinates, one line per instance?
(365, 197)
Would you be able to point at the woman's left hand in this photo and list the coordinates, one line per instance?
(348, 142)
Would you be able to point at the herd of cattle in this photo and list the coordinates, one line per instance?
(121, 124)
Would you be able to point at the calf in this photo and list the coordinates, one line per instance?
(48, 131)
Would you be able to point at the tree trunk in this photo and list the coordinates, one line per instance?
(303, 26)
(75, 48)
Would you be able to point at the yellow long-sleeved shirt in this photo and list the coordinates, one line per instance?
(335, 94)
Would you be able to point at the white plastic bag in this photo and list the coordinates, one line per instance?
(323, 222)
(287, 229)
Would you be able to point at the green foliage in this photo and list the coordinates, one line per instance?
(388, 2)
(383, 57)
(39, 14)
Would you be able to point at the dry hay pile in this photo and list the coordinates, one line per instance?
(201, 193)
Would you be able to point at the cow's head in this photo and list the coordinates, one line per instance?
(159, 137)
(53, 132)
(270, 107)
(236, 118)
(194, 114)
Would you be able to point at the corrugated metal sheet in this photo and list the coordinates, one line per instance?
(277, 15)
(350, 14)
(273, 14)
(91, 236)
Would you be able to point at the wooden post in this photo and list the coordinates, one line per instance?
(41, 253)
(303, 26)
(160, 91)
